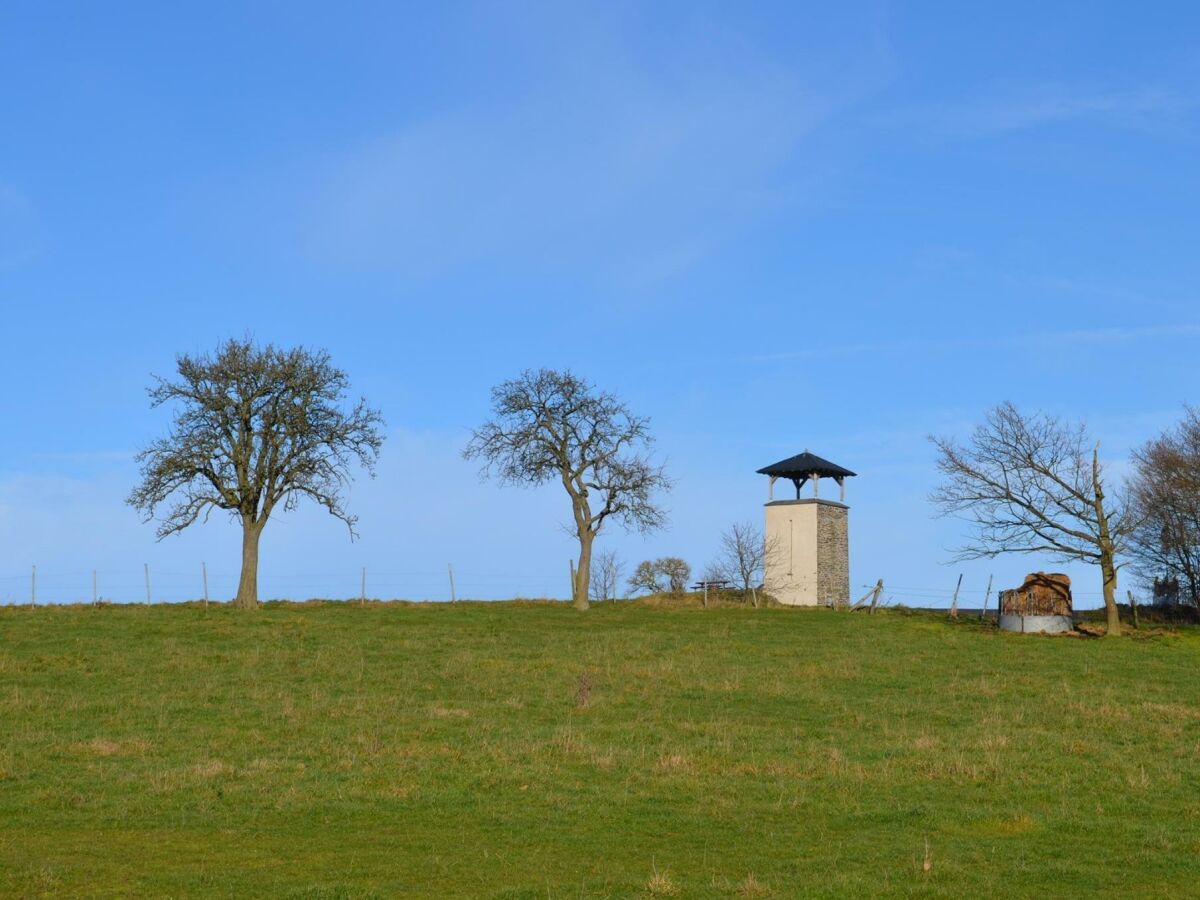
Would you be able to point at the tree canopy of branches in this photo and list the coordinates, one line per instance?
(742, 555)
(676, 571)
(1166, 495)
(1034, 484)
(255, 429)
(660, 576)
(551, 425)
(647, 578)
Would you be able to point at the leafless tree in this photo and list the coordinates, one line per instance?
(1034, 484)
(667, 574)
(676, 571)
(648, 578)
(255, 429)
(607, 572)
(742, 556)
(1166, 493)
(550, 425)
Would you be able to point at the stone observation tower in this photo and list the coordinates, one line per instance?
(807, 558)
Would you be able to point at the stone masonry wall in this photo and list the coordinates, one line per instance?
(833, 554)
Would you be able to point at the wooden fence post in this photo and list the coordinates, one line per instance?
(872, 595)
(986, 597)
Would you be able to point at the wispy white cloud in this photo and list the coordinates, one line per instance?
(1011, 107)
(20, 232)
(1028, 340)
(470, 185)
(639, 165)
(1113, 335)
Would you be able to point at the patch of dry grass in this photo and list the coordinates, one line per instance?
(660, 884)
(107, 747)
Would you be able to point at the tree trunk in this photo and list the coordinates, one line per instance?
(583, 571)
(1110, 595)
(247, 594)
(1108, 567)
(1193, 588)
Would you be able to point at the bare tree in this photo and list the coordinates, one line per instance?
(667, 574)
(255, 429)
(607, 572)
(1166, 494)
(648, 578)
(741, 557)
(676, 571)
(1034, 484)
(553, 425)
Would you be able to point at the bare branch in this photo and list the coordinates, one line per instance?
(1165, 529)
(1025, 484)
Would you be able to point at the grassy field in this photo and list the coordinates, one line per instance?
(526, 750)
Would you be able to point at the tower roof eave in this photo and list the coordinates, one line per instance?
(805, 465)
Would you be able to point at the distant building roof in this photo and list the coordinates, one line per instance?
(805, 465)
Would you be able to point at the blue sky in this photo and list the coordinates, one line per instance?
(767, 226)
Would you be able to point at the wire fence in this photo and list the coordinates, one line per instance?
(150, 585)
(968, 597)
(40, 586)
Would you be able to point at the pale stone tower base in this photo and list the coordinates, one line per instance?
(808, 552)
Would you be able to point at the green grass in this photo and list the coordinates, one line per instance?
(332, 750)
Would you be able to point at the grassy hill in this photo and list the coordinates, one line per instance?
(526, 750)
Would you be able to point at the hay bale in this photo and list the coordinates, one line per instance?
(1042, 594)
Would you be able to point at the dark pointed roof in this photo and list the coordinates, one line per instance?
(805, 465)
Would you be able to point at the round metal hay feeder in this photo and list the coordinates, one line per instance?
(1037, 624)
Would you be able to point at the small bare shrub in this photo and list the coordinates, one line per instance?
(667, 574)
